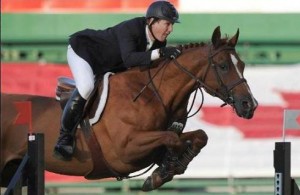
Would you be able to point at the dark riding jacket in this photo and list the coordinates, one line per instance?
(116, 48)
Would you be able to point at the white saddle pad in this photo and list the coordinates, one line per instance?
(103, 99)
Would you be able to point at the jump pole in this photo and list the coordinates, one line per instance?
(283, 183)
(32, 166)
(36, 164)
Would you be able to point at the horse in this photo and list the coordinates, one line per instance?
(143, 119)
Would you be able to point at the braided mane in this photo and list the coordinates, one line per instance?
(182, 47)
(190, 45)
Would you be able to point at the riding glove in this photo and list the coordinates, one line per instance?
(169, 52)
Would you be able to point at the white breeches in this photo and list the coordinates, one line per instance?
(82, 73)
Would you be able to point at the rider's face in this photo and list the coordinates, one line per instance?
(161, 29)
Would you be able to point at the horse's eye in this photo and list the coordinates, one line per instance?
(223, 67)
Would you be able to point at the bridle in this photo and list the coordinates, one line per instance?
(224, 92)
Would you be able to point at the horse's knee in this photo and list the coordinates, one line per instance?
(171, 139)
(196, 141)
(201, 138)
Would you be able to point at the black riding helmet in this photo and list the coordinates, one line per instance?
(163, 10)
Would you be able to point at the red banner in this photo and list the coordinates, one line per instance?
(24, 114)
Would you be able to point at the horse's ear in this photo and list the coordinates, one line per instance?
(215, 39)
(233, 41)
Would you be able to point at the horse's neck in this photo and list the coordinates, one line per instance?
(174, 85)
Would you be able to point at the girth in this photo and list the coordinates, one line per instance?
(101, 169)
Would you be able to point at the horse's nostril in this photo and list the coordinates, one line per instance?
(246, 104)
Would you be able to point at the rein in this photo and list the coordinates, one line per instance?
(157, 94)
(155, 89)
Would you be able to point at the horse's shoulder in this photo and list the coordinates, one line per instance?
(129, 77)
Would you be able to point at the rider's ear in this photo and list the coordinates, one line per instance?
(233, 41)
(215, 39)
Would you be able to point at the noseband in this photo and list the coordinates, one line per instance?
(224, 92)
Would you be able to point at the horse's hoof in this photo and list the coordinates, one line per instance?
(153, 182)
(148, 185)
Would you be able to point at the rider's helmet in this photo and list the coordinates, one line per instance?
(163, 10)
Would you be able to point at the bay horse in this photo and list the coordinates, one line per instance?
(138, 127)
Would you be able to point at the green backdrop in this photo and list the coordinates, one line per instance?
(264, 38)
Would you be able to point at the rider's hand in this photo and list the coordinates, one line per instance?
(169, 52)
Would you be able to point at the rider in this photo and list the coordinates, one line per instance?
(135, 42)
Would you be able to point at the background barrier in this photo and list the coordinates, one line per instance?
(271, 39)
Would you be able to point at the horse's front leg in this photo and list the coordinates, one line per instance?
(176, 162)
(162, 174)
(193, 141)
(140, 144)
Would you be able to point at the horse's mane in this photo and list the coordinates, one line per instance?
(187, 46)
(190, 45)
(222, 42)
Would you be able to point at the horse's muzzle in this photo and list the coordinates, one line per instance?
(245, 107)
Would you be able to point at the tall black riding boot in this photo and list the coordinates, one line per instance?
(71, 117)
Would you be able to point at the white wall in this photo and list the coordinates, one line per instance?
(238, 6)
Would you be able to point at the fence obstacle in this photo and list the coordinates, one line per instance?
(284, 184)
(31, 169)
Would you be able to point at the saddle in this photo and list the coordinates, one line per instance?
(64, 90)
(93, 110)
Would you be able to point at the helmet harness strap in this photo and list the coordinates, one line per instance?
(150, 27)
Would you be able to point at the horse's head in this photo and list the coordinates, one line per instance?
(221, 74)
(224, 75)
